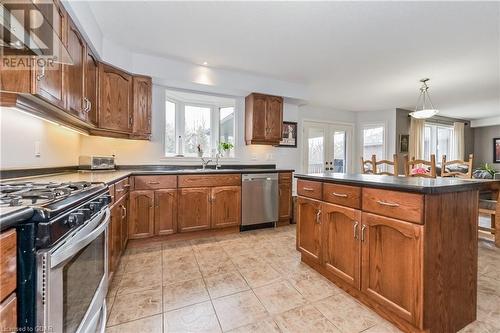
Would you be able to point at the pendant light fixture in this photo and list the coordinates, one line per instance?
(424, 109)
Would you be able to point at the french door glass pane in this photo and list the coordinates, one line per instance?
(169, 127)
(197, 129)
(373, 142)
(316, 150)
(339, 151)
(427, 143)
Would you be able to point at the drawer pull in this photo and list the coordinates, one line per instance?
(318, 216)
(308, 189)
(389, 204)
(153, 183)
(340, 195)
(119, 190)
(126, 185)
(355, 227)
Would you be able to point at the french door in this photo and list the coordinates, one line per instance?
(327, 147)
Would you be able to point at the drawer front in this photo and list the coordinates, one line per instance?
(8, 267)
(310, 189)
(121, 188)
(154, 182)
(343, 195)
(399, 205)
(8, 314)
(209, 180)
(285, 177)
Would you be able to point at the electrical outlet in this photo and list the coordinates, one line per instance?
(269, 156)
(37, 149)
(254, 157)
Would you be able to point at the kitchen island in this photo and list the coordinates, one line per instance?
(406, 247)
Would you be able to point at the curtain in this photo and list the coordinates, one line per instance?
(416, 148)
(458, 143)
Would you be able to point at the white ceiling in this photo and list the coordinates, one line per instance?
(359, 56)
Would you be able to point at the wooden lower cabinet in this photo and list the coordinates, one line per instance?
(124, 207)
(165, 221)
(341, 242)
(309, 228)
(285, 202)
(8, 314)
(226, 206)
(392, 265)
(194, 209)
(141, 221)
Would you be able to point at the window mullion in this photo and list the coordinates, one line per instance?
(180, 122)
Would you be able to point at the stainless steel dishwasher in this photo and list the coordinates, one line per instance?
(259, 200)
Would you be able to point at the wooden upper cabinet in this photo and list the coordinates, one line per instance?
(141, 218)
(74, 74)
(263, 119)
(142, 105)
(91, 85)
(194, 209)
(226, 206)
(49, 80)
(392, 265)
(115, 96)
(309, 228)
(341, 242)
(165, 211)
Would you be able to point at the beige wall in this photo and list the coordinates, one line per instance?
(19, 135)
(483, 145)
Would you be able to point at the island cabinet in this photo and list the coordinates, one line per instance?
(407, 251)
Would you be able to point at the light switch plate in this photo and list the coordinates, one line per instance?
(37, 149)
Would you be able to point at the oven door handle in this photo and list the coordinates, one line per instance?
(67, 252)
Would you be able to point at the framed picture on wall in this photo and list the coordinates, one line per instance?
(404, 143)
(496, 150)
(289, 135)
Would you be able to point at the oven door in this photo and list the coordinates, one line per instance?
(73, 280)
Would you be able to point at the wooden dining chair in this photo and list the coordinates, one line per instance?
(457, 173)
(393, 163)
(368, 166)
(410, 167)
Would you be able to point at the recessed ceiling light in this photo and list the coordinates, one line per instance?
(205, 63)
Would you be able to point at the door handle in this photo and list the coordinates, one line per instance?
(355, 227)
(41, 75)
(318, 217)
(340, 195)
(363, 232)
(308, 189)
(153, 183)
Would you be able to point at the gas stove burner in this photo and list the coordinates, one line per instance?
(10, 200)
(76, 185)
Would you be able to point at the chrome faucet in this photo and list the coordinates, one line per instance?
(204, 162)
(217, 164)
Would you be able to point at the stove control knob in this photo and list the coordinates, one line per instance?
(74, 219)
(95, 206)
(86, 213)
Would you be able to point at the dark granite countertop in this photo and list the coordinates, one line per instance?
(406, 184)
(10, 216)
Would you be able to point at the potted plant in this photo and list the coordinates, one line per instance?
(225, 148)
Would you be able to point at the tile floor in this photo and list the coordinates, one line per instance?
(253, 282)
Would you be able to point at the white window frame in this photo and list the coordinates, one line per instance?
(179, 129)
(434, 139)
(370, 125)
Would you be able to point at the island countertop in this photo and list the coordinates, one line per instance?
(406, 184)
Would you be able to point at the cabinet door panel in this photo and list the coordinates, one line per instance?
(309, 228)
(91, 85)
(124, 206)
(259, 117)
(341, 245)
(285, 201)
(274, 118)
(74, 73)
(392, 254)
(142, 105)
(114, 237)
(194, 209)
(115, 99)
(141, 220)
(165, 212)
(49, 81)
(226, 206)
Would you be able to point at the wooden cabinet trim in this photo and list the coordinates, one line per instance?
(8, 263)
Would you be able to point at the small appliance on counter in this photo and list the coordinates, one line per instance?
(97, 162)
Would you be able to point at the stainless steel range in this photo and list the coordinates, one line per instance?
(62, 255)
